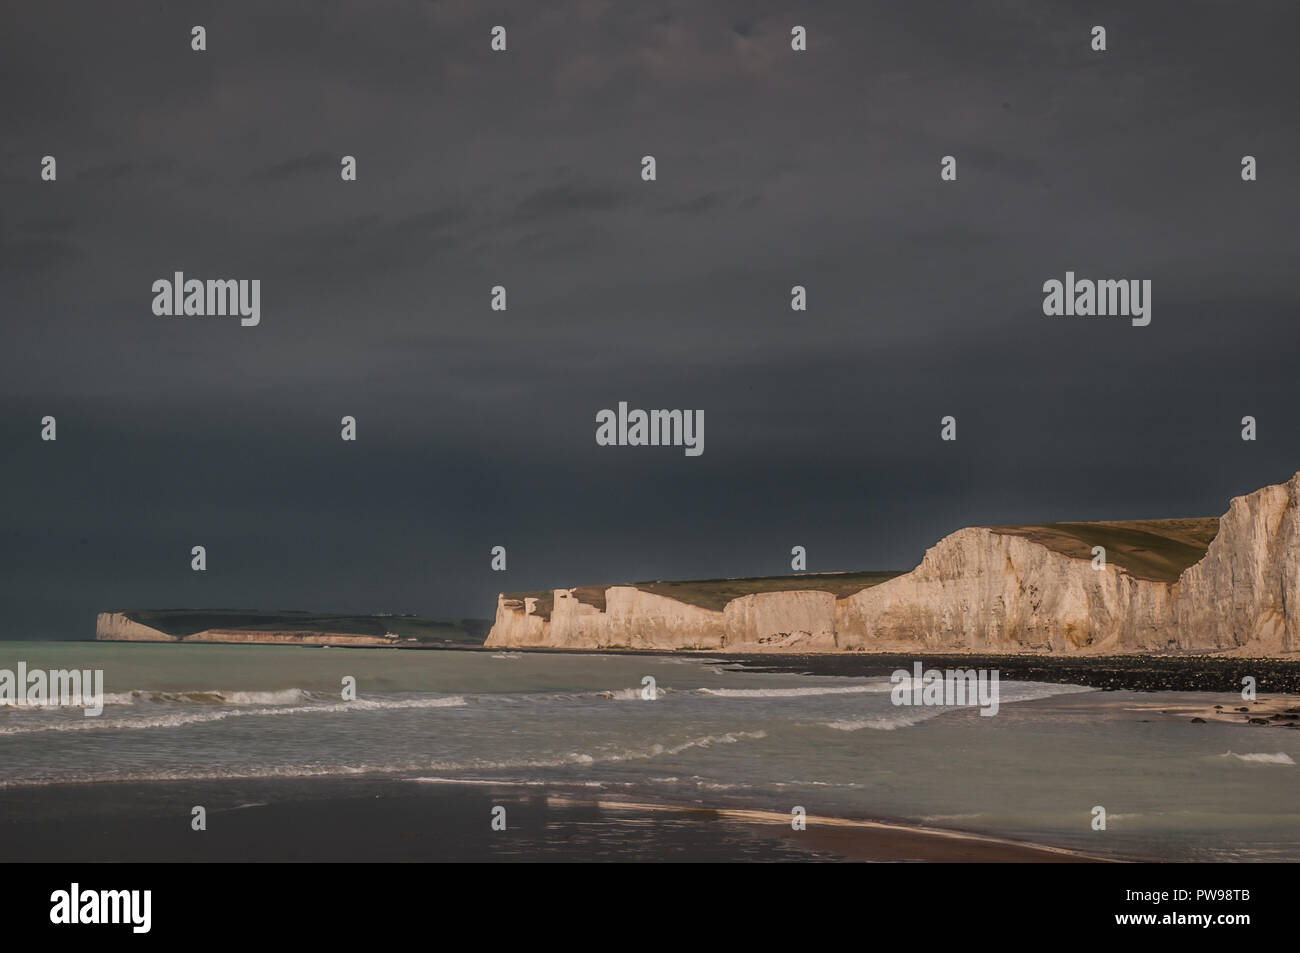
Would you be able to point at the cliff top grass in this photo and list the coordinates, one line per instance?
(716, 593)
(1158, 550)
(185, 622)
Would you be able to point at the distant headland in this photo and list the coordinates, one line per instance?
(287, 628)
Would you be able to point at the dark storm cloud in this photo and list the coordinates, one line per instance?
(25, 256)
(314, 162)
(715, 201)
(523, 169)
(568, 199)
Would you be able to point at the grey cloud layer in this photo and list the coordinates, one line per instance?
(774, 169)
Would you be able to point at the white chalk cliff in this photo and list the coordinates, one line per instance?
(119, 627)
(979, 590)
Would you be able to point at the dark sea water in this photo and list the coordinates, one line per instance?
(435, 739)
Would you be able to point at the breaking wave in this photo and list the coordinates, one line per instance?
(175, 719)
(602, 755)
(1280, 757)
(871, 689)
(283, 696)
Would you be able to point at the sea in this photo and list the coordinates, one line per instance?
(674, 730)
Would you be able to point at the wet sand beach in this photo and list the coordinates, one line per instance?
(382, 819)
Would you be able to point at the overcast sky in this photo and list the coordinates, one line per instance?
(775, 168)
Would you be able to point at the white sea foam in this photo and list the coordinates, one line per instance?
(507, 782)
(873, 688)
(904, 718)
(603, 755)
(606, 754)
(1279, 757)
(608, 694)
(631, 694)
(177, 719)
(283, 696)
